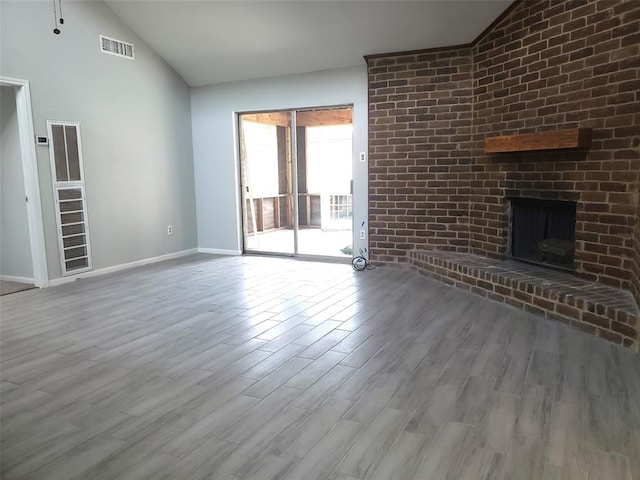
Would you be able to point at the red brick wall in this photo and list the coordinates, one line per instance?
(548, 65)
(635, 277)
(553, 65)
(420, 109)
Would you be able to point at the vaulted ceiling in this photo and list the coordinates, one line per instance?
(209, 42)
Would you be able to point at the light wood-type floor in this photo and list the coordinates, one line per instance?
(263, 368)
(7, 287)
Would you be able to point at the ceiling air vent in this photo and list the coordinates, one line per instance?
(116, 47)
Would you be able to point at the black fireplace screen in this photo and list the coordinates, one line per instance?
(543, 231)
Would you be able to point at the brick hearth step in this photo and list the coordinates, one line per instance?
(608, 312)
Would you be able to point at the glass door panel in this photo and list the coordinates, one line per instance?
(267, 182)
(324, 175)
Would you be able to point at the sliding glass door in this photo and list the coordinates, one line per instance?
(267, 187)
(324, 147)
(296, 171)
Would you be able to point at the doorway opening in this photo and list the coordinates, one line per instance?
(296, 182)
(24, 254)
(16, 267)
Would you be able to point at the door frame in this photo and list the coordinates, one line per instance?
(31, 179)
(294, 174)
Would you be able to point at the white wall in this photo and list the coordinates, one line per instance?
(214, 143)
(135, 123)
(15, 249)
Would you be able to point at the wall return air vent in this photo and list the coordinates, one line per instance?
(116, 47)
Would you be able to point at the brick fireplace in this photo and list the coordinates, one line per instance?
(545, 66)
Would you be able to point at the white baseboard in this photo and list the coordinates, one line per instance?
(11, 278)
(218, 251)
(122, 266)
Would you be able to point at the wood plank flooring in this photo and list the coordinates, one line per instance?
(7, 287)
(262, 368)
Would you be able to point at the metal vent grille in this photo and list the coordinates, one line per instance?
(65, 150)
(72, 222)
(116, 47)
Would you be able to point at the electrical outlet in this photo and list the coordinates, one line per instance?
(363, 234)
(363, 157)
(169, 229)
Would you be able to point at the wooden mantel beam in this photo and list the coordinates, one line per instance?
(572, 138)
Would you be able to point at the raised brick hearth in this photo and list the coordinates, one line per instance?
(545, 66)
(608, 312)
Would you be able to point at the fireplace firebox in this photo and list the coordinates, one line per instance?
(543, 232)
